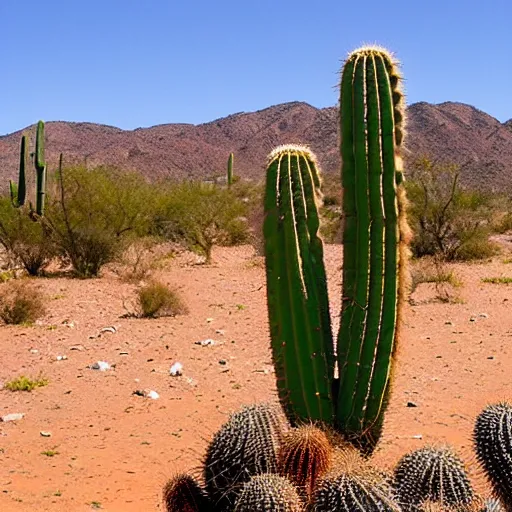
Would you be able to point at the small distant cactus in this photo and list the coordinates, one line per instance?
(183, 493)
(246, 445)
(432, 475)
(230, 169)
(18, 192)
(268, 493)
(40, 165)
(493, 443)
(305, 456)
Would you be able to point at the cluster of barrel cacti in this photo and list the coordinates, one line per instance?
(313, 452)
(19, 191)
(257, 462)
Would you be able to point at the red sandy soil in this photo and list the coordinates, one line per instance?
(115, 450)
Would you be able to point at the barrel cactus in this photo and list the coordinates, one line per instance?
(268, 493)
(434, 475)
(354, 486)
(183, 493)
(304, 457)
(493, 443)
(246, 445)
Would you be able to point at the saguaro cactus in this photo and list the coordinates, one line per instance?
(40, 165)
(373, 263)
(375, 255)
(18, 193)
(298, 307)
(230, 169)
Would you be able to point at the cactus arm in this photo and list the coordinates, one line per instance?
(300, 339)
(40, 169)
(386, 341)
(373, 238)
(349, 215)
(13, 189)
(355, 308)
(230, 169)
(376, 264)
(22, 187)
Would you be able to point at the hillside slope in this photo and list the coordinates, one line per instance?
(451, 132)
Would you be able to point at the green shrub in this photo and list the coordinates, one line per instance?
(94, 213)
(27, 242)
(156, 299)
(201, 215)
(497, 280)
(23, 383)
(20, 303)
(447, 219)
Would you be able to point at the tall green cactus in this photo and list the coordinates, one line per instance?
(374, 225)
(19, 192)
(298, 307)
(40, 165)
(230, 169)
(375, 256)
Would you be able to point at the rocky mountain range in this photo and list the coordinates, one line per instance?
(448, 132)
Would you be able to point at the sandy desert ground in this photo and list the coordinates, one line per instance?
(113, 450)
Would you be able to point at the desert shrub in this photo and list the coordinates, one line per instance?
(201, 215)
(95, 213)
(157, 299)
(447, 219)
(138, 260)
(434, 270)
(504, 224)
(20, 303)
(26, 241)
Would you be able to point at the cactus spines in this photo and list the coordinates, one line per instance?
(432, 474)
(40, 165)
(268, 493)
(353, 486)
(493, 443)
(230, 169)
(298, 308)
(478, 505)
(246, 445)
(305, 456)
(182, 493)
(374, 239)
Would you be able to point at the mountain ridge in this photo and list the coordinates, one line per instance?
(449, 132)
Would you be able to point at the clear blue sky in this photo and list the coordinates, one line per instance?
(132, 63)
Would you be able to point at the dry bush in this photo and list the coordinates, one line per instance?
(139, 260)
(435, 271)
(21, 303)
(449, 221)
(156, 299)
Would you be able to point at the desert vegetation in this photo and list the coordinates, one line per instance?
(400, 228)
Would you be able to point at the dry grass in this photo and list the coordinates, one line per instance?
(21, 303)
(437, 272)
(156, 299)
